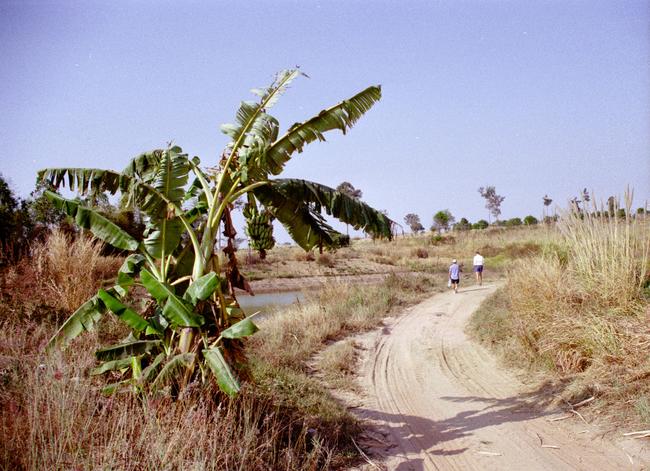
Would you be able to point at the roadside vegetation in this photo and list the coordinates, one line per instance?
(578, 312)
(54, 415)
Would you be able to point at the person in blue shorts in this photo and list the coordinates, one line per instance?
(454, 275)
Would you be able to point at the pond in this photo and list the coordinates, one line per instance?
(267, 302)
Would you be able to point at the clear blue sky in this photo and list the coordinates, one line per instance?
(532, 97)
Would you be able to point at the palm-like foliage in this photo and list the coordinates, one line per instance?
(192, 324)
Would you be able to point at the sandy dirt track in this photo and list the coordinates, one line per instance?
(438, 401)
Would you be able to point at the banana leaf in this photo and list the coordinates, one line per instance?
(297, 204)
(112, 366)
(124, 350)
(151, 371)
(341, 116)
(126, 314)
(99, 225)
(172, 369)
(83, 319)
(243, 328)
(174, 308)
(221, 371)
(202, 289)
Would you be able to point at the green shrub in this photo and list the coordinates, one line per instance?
(480, 224)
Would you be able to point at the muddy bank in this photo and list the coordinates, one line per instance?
(272, 285)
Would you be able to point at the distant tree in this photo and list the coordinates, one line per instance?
(492, 200)
(620, 213)
(611, 206)
(547, 202)
(442, 220)
(640, 210)
(480, 224)
(574, 204)
(463, 225)
(348, 189)
(513, 222)
(42, 210)
(15, 224)
(530, 220)
(413, 221)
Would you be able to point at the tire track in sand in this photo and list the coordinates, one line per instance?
(444, 404)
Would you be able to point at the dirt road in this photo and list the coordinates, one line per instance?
(438, 401)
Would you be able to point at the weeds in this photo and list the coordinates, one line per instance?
(576, 309)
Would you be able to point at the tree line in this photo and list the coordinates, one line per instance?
(444, 220)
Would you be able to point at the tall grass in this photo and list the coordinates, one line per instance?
(578, 310)
(52, 415)
(608, 255)
(71, 269)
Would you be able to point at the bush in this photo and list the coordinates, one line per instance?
(421, 253)
(530, 220)
(463, 225)
(480, 224)
(326, 260)
(513, 222)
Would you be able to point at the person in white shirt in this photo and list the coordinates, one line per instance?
(478, 267)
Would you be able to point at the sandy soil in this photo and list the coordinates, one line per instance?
(435, 400)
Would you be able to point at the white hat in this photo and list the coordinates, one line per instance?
(453, 261)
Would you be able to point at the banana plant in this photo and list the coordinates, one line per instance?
(191, 327)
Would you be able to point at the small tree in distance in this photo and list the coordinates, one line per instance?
(547, 203)
(492, 200)
(442, 220)
(480, 224)
(462, 225)
(413, 221)
(530, 220)
(349, 190)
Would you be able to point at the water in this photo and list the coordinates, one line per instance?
(267, 302)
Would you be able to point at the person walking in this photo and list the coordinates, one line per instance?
(454, 275)
(478, 267)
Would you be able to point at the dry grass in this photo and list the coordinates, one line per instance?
(338, 363)
(339, 309)
(71, 269)
(579, 312)
(52, 415)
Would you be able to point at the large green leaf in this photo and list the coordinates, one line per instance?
(163, 237)
(141, 193)
(251, 118)
(85, 180)
(83, 319)
(243, 328)
(151, 371)
(221, 370)
(129, 349)
(112, 366)
(297, 204)
(129, 270)
(174, 308)
(144, 166)
(88, 218)
(126, 314)
(341, 116)
(169, 181)
(202, 289)
(177, 365)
